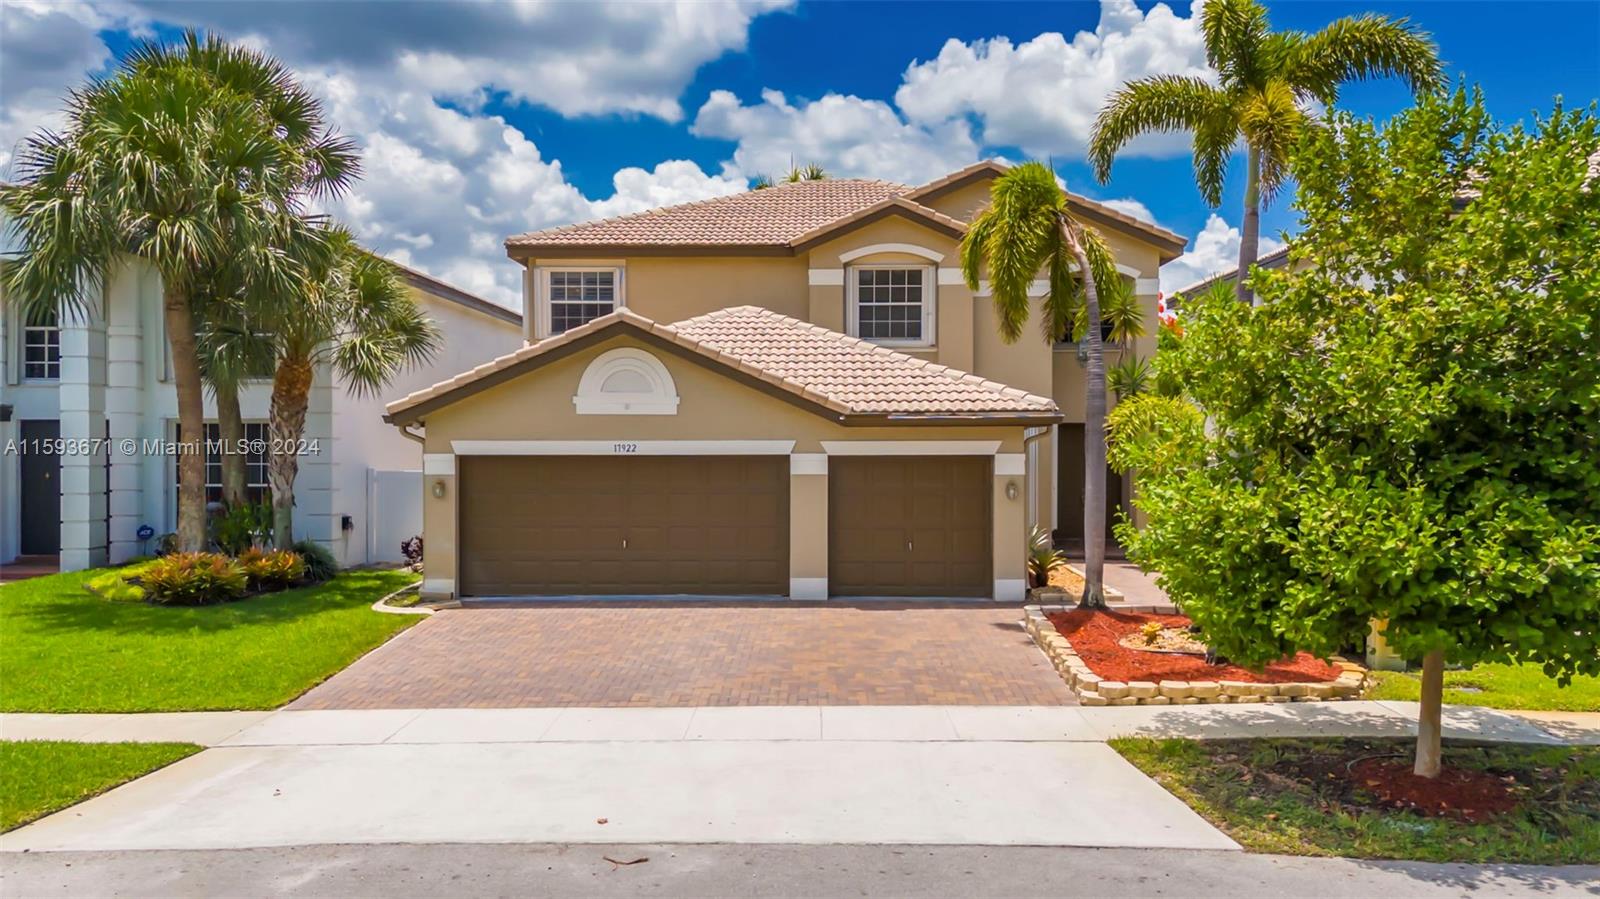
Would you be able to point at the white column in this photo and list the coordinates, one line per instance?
(82, 395)
(125, 411)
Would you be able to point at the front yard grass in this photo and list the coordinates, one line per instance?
(38, 777)
(63, 649)
(1295, 797)
(1496, 686)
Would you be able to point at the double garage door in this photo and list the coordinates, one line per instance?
(717, 525)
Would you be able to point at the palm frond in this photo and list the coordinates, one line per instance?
(1234, 32)
(1157, 104)
(1021, 236)
(1272, 122)
(1357, 48)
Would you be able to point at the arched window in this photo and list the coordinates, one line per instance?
(626, 381)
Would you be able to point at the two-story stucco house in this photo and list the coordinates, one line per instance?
(785, 392)
(81, 381)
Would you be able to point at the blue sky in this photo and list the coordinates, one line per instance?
(481, 121)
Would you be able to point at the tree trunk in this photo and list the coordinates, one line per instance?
(1250, 228)
(191, 419)
(1094, 436)
(230, 428)
(291, 393)
(1428, 716)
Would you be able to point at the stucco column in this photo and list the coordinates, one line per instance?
(439, 484)
(808, 526)
(313, 484)
(125, 413)
(1010, 527)
(82, 393)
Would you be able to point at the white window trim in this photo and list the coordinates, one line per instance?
(660, 399)
(23, 330)
(541, 284)
(930, 304)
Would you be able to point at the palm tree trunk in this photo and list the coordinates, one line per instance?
(291, 393)
(1429, 719)
(1250, 228)
(191, 418)
(230, 428)
(1094, 437)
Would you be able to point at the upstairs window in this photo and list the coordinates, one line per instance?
(892, 304)
(577, 296)
(41, 348)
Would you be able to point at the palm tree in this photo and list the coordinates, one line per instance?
(1268, 82)
(185, 157)
(356, 313)
(1028, 227)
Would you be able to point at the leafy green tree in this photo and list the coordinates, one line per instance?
(188, 157)
(1408, 430)
(354, 312)
(1027, 228)
(1267, 83)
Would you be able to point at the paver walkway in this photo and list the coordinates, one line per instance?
(701, 654)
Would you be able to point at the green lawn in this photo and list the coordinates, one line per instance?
(1295, 797)
(1496, 686)
(63, 649)
(39, 777)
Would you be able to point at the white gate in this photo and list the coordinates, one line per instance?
(394, 512)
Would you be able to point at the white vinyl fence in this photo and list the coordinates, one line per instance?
(394, 512)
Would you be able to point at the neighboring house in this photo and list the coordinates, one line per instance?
(1276, 259)
(788, 391)
(110, 377)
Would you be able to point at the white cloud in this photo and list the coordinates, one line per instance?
(48, 46)
(575, 58)
(1130, 206)
(846, 135)
(1043, 94)
(1216, 250)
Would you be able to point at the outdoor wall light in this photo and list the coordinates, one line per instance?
(1011, 490)
(438, 489)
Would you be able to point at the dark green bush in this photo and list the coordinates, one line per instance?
(194, 579)
(320, 564)
(269, 570)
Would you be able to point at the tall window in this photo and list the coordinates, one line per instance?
(576, 296)
(41, 348)
(892, 304)
(255, 463)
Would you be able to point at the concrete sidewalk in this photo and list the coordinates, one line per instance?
(799, 723)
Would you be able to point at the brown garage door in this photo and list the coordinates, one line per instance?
(909, 526)
(556, 525)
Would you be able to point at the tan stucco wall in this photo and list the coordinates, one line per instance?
(962, 204)
(538, 406)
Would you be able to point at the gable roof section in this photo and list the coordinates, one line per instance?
(787, 219)
(434, 287)
(842, 378)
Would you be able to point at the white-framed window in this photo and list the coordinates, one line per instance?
(892, 304)
(257, 488)
(41, 348)
(577, 295)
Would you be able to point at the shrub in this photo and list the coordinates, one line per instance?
(242, 527)
(111, 586)
(412, 550)
(166, 544)
(1043, 557)
(272, 569)
(320, 564)
(194, 579)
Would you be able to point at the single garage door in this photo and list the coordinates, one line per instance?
(910, 526)
(558, 525)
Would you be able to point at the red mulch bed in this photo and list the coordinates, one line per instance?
(1467, 794)
(1094, 635)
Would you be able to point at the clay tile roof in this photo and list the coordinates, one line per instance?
(846, 375)
(774, 215)
(857, 375)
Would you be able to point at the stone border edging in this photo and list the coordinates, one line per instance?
(1093, 690)
(382, 605)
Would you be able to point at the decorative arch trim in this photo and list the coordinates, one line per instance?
(909, 248)
(626, 381)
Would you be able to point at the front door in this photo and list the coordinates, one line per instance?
(1069, 517)
(41, 488)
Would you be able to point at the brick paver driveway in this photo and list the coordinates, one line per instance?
(700, 654)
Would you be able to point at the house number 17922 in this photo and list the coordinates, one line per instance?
(624, 447)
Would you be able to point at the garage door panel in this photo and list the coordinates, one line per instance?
(556, 525)
(910, 526)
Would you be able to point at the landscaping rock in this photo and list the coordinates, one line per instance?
(1239, 688)
(1126, 700)
(1155, 700)
(1111, 689)
(1176, 689)
(1142, 689)
(1204, 689)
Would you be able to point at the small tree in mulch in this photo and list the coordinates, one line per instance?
(1407, 430)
